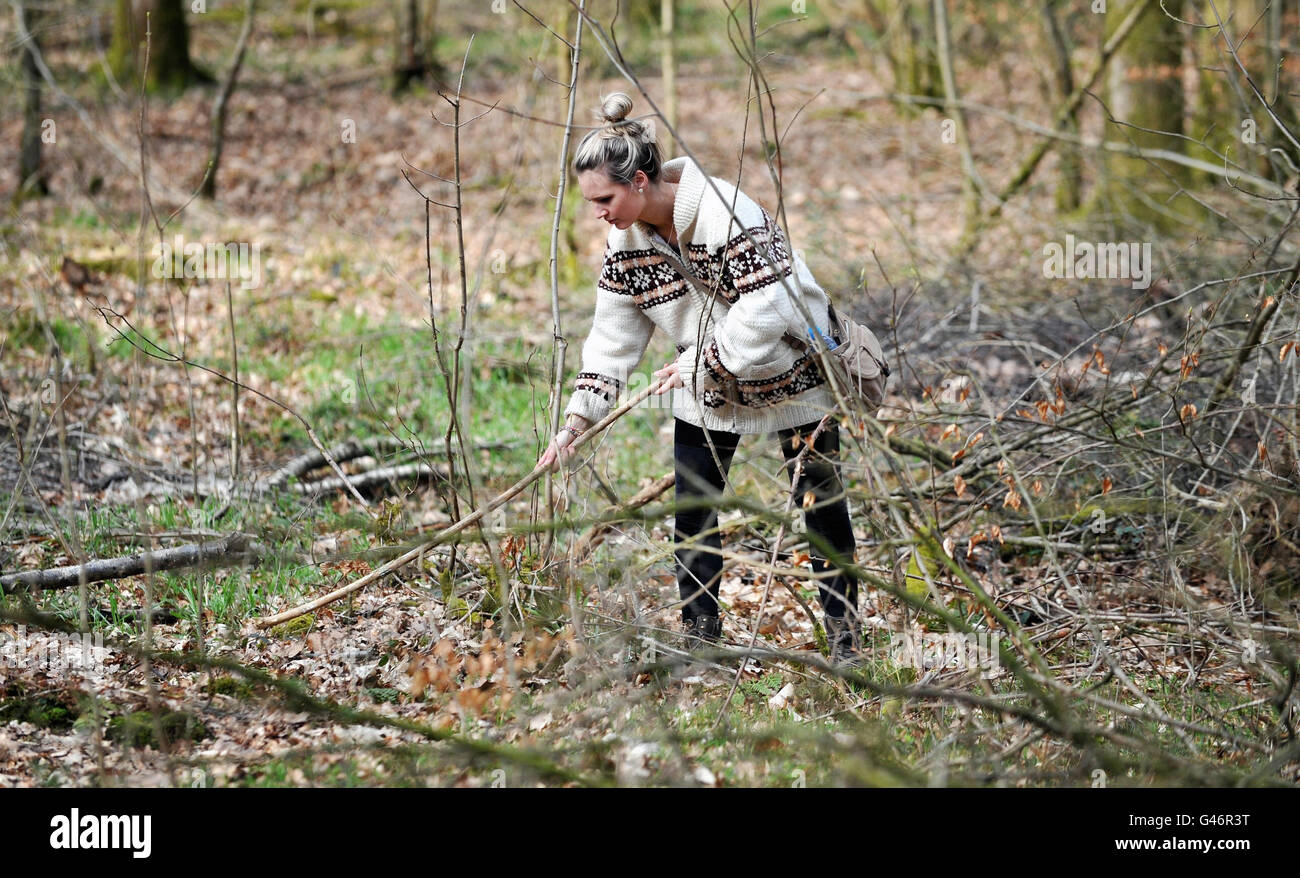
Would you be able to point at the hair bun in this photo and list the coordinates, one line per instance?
(615, 107)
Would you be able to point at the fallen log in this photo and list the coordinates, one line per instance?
(235, 548)
(370, 478)
(299, 466)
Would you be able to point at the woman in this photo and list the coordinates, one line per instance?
(736, 371)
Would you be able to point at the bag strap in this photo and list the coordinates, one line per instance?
(797, 343)
(794, 340)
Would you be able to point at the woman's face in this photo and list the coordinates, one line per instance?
(615, 203)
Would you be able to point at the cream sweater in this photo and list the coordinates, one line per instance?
(740, 374)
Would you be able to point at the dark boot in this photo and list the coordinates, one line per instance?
(702, 631)
(844, 642)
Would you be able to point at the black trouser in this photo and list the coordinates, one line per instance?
(699, 570)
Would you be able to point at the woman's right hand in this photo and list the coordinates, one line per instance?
(561, 446)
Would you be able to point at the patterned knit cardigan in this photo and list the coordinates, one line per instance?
(740, 374)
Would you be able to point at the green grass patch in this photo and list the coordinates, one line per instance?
(139, 729)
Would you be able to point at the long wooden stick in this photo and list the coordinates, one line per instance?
(443, 535)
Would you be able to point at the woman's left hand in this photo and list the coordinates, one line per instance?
(673, 378)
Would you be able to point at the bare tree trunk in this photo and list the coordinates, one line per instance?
(170, 65)
(410, 64)
(31, 177)
(1144, 90)
(1069, 181)
(668, 28)
(952, 106)
(564, 23)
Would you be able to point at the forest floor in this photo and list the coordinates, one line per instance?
(1132, 658)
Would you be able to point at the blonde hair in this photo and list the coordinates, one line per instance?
(619, 147)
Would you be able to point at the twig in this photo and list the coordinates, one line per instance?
(208, 187)
(971, 183)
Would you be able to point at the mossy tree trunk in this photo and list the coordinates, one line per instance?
(1144, 93)
(417, 36)
(208, 188)
(562, 22)
(668, 31)
(169, 63)
(909, 45)
(31, 176)
(1069, 178)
